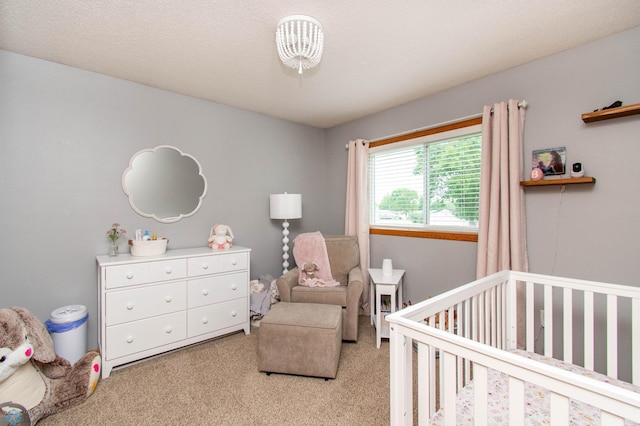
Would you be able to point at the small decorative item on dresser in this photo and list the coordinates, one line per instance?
(220, 237)
(143, 248)
(114, 234)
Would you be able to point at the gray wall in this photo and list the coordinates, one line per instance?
(588, 232)
(67, 136)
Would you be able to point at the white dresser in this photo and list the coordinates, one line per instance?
(150, 305)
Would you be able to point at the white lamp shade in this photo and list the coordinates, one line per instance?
(285, 206)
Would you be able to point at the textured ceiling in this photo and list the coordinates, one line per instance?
(378, 53)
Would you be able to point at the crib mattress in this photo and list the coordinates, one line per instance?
(536, 398)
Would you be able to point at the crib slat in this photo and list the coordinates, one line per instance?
(433, 405)
(501, 318)
(612, 336)
(493, 321)
(548, 320)
(588, 330)
(488, 315)
(481, 319)
(567, 321)
(458, 331)
(530, 317)
(559, 409)
(480, 377)
(449, 367)
(635, 341)
(467, 334)
(516, 401)
(426, 381)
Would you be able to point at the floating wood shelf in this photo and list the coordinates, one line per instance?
(568, 181)
(607, 114)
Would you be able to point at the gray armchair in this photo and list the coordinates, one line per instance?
(344, 259)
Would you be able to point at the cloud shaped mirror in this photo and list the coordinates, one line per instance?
(164, 183)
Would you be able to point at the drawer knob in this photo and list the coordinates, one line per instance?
(205, 292)
(129, 306)
(234, 313)
(168, 329)
(205, 266)
(234, 287)
(205, 320)
(130, 339)
(129, 275)
(168, 299)
(168, 270)
(234, 262)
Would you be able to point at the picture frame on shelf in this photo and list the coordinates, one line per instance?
(551, 161)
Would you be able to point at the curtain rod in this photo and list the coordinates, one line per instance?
(522, 104)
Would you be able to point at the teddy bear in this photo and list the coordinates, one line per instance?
(220, 237)
(32, 375)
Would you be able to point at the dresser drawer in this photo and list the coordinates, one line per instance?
(233, 262)
(228, 262)
(138, 336)
(168, 270)
(206, 319)
(217, 288)
(138, 273)
(138, 303)
(123, 275)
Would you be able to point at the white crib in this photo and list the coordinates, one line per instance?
(472, 332)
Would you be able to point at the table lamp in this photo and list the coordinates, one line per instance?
(285, 206)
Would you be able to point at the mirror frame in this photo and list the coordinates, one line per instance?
(153, 215)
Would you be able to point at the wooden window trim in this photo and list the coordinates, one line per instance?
(426, 132)
(439, 235)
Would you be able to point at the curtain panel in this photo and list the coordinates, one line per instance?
(502, 239)
(357, 210)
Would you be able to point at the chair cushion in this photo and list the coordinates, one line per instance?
(323, 295)
(344, 255)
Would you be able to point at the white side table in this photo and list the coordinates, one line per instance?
(384, 285)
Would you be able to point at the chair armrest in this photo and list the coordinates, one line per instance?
(286, 283)
(356, 287)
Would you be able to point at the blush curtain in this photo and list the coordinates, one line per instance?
(502, 239)
(502, 234)
(357, 210)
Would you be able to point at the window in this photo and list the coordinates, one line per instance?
(428, 181)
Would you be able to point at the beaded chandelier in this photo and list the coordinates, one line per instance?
(299, 39)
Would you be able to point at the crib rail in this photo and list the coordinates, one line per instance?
(461, 333)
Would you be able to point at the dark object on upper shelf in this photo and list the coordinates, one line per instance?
(616, 104)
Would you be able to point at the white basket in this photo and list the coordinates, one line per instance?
(149, 247)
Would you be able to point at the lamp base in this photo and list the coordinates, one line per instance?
(285, 247)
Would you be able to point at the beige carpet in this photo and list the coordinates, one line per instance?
(218, 383)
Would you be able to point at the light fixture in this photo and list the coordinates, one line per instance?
(299, 39)
(285, 206)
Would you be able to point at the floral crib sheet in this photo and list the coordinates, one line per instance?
(536, 398)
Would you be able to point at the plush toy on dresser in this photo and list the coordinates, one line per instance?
(220, 237)
(32, 375)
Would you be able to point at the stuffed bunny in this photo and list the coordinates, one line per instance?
(32, 375)
(220, 237)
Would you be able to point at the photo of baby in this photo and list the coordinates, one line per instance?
(551, 161)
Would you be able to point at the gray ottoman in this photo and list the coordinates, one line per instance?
(301, 338)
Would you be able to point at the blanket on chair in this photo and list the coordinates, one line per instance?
(310, 253)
